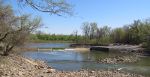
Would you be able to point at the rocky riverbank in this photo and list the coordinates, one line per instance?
(120, 59)
(18, 66)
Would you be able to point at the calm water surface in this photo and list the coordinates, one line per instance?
(73, 61)
(48, 45)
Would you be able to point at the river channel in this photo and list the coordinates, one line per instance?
(71, 60)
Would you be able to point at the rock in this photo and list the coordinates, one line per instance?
(120, 60)
(20, 73)
(92, 71)
(39, 66)
(92, 76)
(25, 69)
(6, 74)
(49, 67)
(51, 70)
(1, 73)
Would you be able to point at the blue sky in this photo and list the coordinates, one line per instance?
(114, 13)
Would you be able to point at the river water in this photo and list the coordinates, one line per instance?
(70, 60)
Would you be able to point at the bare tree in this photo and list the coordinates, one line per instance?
(93, 30)
(19, 33)
(57, 7)
(14, 30)
(5, 18)
(86, 31)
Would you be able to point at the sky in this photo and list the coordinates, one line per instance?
(113, 13)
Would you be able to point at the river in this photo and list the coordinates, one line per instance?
(71, 60)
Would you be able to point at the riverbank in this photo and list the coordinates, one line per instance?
(128, 53)
(111, 47)
(120, 59)
(52, 49)
(18, 66)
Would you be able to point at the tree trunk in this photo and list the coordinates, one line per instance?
(4, 36)
(5, 52)
(7, 49)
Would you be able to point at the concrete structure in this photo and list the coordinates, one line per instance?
(122, 48)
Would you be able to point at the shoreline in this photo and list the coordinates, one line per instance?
(130, 58)
(23, 49)
(18, 66)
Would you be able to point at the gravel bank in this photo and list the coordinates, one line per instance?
(17, 66)
(120, 59)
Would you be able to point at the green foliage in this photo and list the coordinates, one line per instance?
(105, 40)
(53, 37)
(135, 33)
(139, 31)
(146, 44)
(118, 35)
(94, 35)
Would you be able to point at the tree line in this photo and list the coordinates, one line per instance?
(54, 37)
(137, 32)
(15, 30)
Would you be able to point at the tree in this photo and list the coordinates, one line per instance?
(103, 35)
(75, 35)
(118, 35)
(14, 30)
(5, 18)
(139, 30)
(127, 35)
(57, 7)
(134, 33)
(86, 31)
(93, 30)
